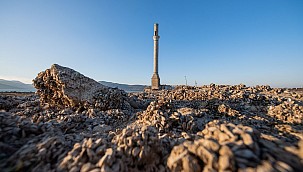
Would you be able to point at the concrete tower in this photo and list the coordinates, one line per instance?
(156, 79)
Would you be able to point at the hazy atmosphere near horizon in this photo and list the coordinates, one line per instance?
(221, 42)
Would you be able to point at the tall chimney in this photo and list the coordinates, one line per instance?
(155, 78)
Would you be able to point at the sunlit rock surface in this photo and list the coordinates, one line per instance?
(63, 87)
(207, 128)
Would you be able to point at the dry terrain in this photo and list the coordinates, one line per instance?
(75, 124)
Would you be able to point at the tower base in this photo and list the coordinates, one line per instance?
(155, 82)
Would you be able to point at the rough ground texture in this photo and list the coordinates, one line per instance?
(63, 87)
(208, 128)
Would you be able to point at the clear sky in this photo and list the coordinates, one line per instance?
(208, 41)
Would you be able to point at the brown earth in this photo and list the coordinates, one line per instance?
(209, 128)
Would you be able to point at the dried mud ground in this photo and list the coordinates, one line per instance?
(208, 128)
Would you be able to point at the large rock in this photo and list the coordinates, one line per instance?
(64, 87)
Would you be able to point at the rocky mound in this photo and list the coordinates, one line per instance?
(229, 147)
(208, 128)
(63, 87)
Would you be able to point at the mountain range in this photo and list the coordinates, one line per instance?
(125, 87)
(9, 86)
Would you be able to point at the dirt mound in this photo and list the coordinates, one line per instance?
(63, 87)
(230, 147)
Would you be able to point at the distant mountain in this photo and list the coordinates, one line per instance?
(125, 87)
(6, 86)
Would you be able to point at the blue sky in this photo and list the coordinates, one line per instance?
(214, 41)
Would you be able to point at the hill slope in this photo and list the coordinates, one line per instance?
(125, 87)
(6, 85)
